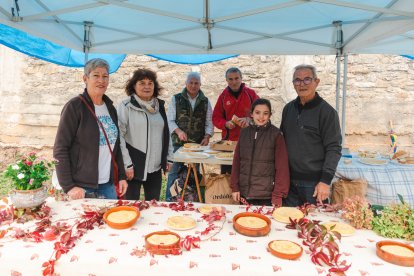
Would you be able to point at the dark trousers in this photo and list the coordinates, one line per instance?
(300, 192)
(152, 187)
(225, 169)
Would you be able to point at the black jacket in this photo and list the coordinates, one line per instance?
(77, 145)
(313, 139)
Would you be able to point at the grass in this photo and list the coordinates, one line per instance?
(163, 188)
(5, 186)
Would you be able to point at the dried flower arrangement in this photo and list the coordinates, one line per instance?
(358, 212)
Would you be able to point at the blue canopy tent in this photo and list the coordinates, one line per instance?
(269, 27)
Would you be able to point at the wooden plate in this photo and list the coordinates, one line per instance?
(206, 209)
(225, 155)
(121, 224)
(197, 155)
(252, 231)
(181, 223)
(373, 161)
(159, 248)
(191, 146)
(393, 257)
(282, 214)
(285, 249)
(342, 228)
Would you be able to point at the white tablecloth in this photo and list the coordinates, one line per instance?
(384, 181)
(106, 251)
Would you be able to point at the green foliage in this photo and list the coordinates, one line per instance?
(29, 172)
(5, 186)
(395, 221)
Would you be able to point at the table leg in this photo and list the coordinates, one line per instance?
(186, 180)
(204, 173)
(193, 166)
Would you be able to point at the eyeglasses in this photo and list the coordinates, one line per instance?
(305, 81)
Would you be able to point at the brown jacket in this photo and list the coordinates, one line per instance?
(260, 165)
(77, 145)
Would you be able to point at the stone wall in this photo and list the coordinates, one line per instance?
(380, 88)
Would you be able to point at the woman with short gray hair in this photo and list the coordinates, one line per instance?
(87, 144)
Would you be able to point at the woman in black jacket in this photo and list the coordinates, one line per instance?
(85, 161)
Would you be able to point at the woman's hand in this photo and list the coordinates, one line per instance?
(236, 196)
(169, 166)
(129, 173)
(76, 193)
(123, 186)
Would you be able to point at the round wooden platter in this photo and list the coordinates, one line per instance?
(252, 231)
(394, 258)
(121, 225)
(162, 249)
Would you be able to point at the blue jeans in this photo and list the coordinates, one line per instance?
(106, 190)
(300, 192)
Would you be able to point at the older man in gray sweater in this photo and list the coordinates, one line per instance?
(313, 139)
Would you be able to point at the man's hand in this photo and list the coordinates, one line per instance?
(123, 186)
(230, 125)
(322, 191)
(129, 173)
(236, 196)
(76, 193)
(244, 122)
(205, 141)
(181, 134)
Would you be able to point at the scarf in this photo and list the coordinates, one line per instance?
(151, 106)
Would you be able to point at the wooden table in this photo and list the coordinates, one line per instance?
(191, 162)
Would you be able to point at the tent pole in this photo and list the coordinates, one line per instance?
(338, 81)
(86, 38)
(339, 46)
(344, 98)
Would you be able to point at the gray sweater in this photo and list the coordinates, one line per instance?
(313, 139)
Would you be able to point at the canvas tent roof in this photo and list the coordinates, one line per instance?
(218, 27)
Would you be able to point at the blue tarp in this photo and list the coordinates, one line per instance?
(407, 56)
(46, 50)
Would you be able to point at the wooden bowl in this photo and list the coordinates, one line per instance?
(161, 249)
(251, 231)
(121, 225)
(284, 254)
(393, 258)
